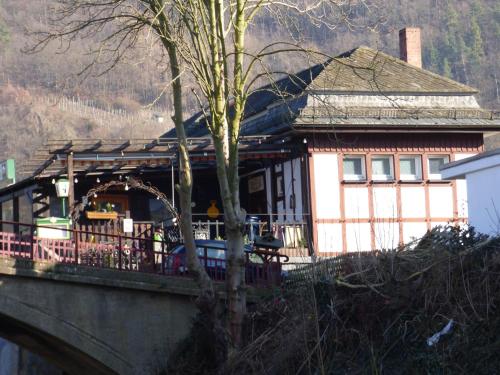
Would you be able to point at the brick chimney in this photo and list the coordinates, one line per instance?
(410, 47)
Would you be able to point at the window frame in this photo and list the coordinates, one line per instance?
(436, 176)
(418, 168)
(383, 177)
(354, 177)
(120, 199)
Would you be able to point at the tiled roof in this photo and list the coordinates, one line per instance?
(361, 70)
(366, 70)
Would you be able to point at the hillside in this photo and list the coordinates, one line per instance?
(460, 40)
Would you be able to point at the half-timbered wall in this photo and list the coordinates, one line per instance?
(284, 197)
(369, 214)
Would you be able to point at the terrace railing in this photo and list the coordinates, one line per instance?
(294, 233)
(119, 252)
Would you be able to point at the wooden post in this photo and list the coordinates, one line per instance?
(163, 254)
(71, 178)
(119, 252)
(15, 214)
(33, 242)
(75, 236)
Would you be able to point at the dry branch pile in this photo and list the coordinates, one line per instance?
(377, 313)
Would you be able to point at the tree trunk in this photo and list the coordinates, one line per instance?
(207, 300)
(234, 221)
(236, 285)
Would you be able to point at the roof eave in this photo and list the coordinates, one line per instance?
(460, 168)
(308, 128)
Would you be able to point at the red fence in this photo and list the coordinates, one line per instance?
(124, 253)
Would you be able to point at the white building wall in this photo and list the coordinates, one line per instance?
(326, 184)
(462, 198)
(413, 231)
(292, 181)
(292, 188)
(386, 230)
(413, 202)
(297, 183)
(329, 237)
(403, 101)
(280, 208)
(287, 182)
(483, 191)
(358, 237)
(441, 201)
(327, 202)
(462, 190)
(386, 235)
(385, 203)
(356, 203)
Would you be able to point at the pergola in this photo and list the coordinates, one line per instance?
(99, 157)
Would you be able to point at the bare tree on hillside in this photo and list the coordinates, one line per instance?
(205, 40)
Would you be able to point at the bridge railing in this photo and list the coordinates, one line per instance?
(119, 252)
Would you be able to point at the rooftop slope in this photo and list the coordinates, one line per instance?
(361, 70)
(366, 70)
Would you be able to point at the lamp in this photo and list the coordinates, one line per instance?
(62, 188)
(62, 191)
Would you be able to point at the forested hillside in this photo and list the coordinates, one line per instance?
(460, 40)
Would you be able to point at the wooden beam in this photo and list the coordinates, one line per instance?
(44, 166)
(65, 148)
(151, 145)
(118, 167)
(71, 193)
(91, 168)
(122, 147)
(93, 147)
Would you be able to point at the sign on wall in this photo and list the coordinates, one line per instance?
(128, 225)
(53, 228)
(256, 184)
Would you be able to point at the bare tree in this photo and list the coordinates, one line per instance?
(122, 25)
(205, 40)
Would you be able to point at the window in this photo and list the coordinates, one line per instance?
(382, 168)
(110, 203)
(435, 163)
(410, 168)
(354, 168)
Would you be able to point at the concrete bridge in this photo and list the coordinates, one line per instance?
(94, 321)
(101, 308)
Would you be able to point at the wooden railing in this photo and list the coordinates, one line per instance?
(104, 228)
(122, 252)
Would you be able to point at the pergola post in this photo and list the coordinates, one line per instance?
(71, 178)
